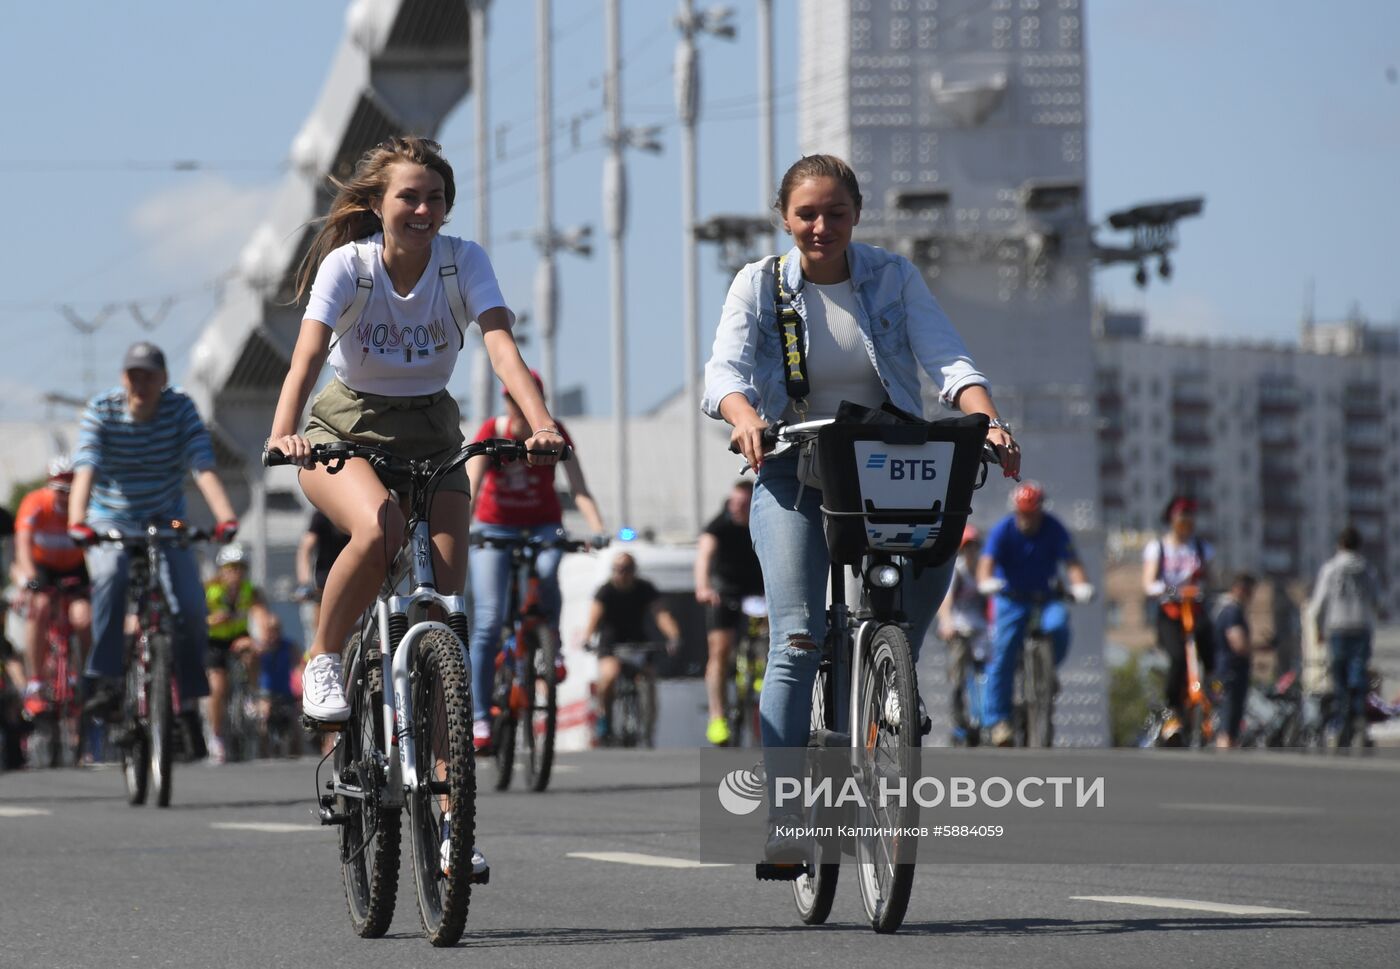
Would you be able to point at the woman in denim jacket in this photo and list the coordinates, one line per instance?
(869, 323)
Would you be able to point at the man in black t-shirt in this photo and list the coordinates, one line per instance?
(320, 544)
(1232, 651)
(726, 571)
(618, 617)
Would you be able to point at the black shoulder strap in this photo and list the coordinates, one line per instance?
(794, 351)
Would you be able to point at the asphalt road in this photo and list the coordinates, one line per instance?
(237, 873)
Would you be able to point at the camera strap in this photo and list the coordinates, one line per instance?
(794, 347)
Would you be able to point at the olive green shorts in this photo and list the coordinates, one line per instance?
(417, 428)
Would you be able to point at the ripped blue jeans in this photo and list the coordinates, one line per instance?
(791, 546)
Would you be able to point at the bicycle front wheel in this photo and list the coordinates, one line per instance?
(543, 719)
(135, 744)
(888, 739)
(369, 838)
(815, 890)
(442, 811)
(160, 716)
(1040, 693)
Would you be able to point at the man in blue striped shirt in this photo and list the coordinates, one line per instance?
(135, 446)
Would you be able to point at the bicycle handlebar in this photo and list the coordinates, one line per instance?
(567, 544)
(335, 455)
(773, 433)
(174, 533)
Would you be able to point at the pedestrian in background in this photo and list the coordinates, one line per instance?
(1233, 650)
(1345, 603)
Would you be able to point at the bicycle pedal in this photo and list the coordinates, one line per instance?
(767, 872)
(322, 726)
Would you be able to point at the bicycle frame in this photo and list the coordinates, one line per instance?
(415, 562)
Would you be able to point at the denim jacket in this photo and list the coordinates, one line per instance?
(901, 324)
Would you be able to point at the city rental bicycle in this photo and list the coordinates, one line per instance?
(149, 702)
(1197, 715)
(56, 736)
(883, 521)
(407, 742)
(525, 701)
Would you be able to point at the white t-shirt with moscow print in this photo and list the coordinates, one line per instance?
(402, 346)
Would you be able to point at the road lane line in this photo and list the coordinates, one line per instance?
(1245, 808)
(22, 812)
(649, 861)
(270, 827)
(1189, 904)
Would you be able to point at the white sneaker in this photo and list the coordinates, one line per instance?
(481, 871)
(217, 754)
(322, 696)
(481, 734)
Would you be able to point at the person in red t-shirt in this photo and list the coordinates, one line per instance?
(508, 501)
(44, 557)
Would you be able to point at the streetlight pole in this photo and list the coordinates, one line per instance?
(766, 135)
(546, 297)
(484, 382)
(615, 222)
(615, 219)
(713, 20)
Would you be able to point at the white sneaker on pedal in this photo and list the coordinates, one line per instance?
(481, 871)
(322, 696)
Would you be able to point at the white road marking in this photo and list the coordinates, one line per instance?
(1189, 904)
(649, 861)
(22, 812)
(1245, 808)
(271, 827)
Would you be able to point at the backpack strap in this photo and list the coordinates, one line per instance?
(457, 306)
(364, 285)
(794, 349)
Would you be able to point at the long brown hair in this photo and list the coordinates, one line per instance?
(352, 216)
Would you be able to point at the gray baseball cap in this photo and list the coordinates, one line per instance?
(144, 356)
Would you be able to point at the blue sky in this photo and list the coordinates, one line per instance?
(1285, 114)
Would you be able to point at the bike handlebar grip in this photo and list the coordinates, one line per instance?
(565, 453)
(271, 458)
(769, 437)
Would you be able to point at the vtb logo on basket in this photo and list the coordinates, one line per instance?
(907, 469)
(740, 792)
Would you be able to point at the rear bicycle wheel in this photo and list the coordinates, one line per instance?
(160, 716)
(627, 712)
(888, 738)
(542, 721)
(815, 889)
(442, 731)
(369, 838)
(135, 745)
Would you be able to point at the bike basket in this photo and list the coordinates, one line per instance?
(899, 488)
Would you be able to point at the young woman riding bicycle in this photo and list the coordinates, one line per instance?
(869, 324)
(391, 366)
(513, 501)
(1177, 563)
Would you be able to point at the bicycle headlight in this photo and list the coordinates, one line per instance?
(883, 576)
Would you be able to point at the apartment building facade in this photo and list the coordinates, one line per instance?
(1282, 445)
